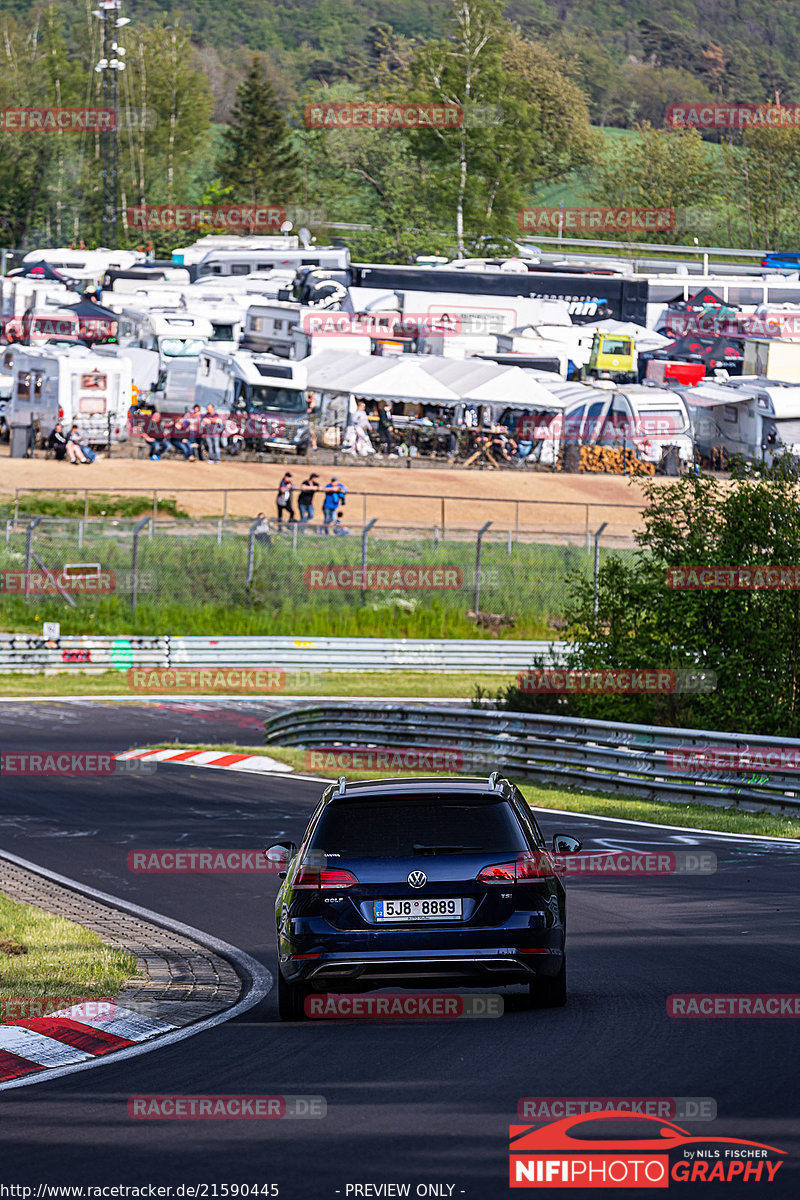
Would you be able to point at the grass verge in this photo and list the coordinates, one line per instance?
(691, 816)
(42, 956)
(419, 685)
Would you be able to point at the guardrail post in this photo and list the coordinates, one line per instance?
(29, 550)
(478, 552)
(364, 539)
(251, 552)
(597, 566)
(135, 560)
(80, 535)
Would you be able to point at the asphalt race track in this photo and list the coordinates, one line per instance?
(419, 1102)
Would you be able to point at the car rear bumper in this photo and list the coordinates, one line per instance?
(492, 967)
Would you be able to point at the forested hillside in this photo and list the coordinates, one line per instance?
(632, 58)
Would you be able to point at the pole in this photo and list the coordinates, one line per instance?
(251, 551)
(597, 566)
(478, 554)
(364, 538)
(29, 550)
(135, 560)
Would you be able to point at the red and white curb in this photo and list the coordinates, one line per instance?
(261, 764)
(71, 1036)
(45, 1048)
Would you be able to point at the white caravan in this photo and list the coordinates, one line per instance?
(75, 384)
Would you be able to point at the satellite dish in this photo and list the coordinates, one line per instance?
(304, 235)
(286, 227)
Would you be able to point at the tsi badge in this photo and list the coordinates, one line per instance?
(417, 879)
(621, 1149)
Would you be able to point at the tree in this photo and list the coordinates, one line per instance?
(524, 119)
(749, 639)
(656, 169)
(258, 159)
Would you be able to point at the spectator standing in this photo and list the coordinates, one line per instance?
(284, 498)
(212, 432)
(262, 530)
(386, 427)
(305, 500)
(335, 493)
(153, 434)
(57, 442)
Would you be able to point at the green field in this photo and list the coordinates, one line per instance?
(191, 583)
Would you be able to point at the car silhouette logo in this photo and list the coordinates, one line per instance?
(418, 879)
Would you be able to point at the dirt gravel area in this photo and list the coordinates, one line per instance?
(536, 501)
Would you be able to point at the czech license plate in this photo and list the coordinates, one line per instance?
(418, 910)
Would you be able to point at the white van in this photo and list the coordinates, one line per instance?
(71, 385)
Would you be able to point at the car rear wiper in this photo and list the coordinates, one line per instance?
(420, 849)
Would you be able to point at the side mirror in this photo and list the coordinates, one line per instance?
(280, 854)
(564, 844)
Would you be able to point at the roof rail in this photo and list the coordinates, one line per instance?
(342, 785)
(495, 780)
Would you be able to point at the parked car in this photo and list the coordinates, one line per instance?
(417, 882)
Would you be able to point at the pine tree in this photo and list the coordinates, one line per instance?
(258, 160)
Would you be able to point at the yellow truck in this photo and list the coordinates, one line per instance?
(613, 356)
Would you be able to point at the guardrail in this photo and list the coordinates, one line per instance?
(30, 653)
(646, 761)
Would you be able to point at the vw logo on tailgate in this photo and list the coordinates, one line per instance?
(418, 879)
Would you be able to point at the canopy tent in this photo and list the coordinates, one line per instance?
(91, 310)
(407, 381)
(41, 270)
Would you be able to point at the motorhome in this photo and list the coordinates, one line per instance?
(191, 256)
(784, 399)
(36, 328)
(268, 328)
(87, 265)
(173, 333)
(21, 292)
(264, 394)
(730, 421)
(246, 260)
(75, 384)
(651, 421)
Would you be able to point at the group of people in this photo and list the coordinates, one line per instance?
(71, 446)
(334, 499)
(190, 435)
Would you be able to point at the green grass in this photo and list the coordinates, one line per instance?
(40, 504)
(60, 960)
(190, 584)
(690, 816)
(412, 685)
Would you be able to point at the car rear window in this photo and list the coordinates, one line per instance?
(417, 827)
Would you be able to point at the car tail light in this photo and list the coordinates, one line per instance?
(323, 878)
(524, 866)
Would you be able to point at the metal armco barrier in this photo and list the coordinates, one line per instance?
(28, 653)
(629, 760)
(23, 652)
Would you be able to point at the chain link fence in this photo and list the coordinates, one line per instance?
(201, 576)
